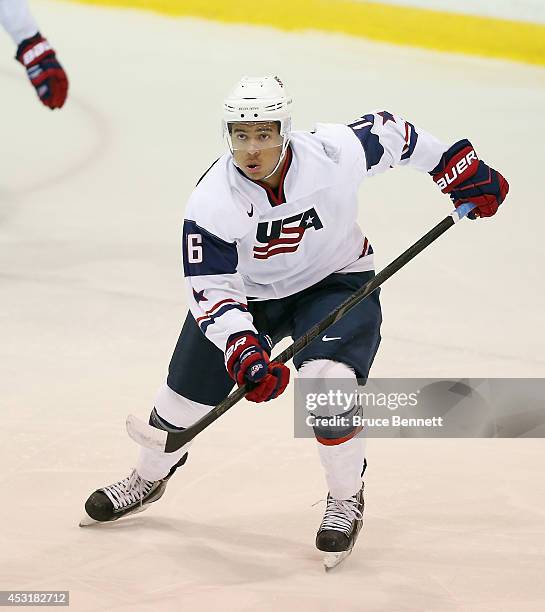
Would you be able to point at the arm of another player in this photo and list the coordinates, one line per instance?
(217, 301)
(35, 53)
(388, 140)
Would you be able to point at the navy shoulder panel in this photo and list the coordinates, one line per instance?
(205, 254)
(369, 141)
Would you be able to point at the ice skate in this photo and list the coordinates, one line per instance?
(129, 496)
(340, 527)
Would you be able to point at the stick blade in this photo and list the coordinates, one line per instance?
(145, 434)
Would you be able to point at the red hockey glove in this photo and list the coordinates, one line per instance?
(467, 179)
(247, 361)
(43, 70)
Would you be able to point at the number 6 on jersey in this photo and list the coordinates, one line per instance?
(194, 248)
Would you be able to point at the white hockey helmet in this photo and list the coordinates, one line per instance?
(259, 99)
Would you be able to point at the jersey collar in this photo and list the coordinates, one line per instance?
(275, 196)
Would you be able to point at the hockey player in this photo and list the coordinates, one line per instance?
(35, 53)
(270, 246)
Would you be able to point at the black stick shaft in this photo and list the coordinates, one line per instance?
(176, 440)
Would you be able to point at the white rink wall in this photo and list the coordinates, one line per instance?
(518, 10)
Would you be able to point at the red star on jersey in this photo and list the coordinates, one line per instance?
(386, 116)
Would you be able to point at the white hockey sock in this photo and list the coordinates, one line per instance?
(180, 412)
(342, 463)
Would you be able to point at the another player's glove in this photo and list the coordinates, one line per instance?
(467, 179)
(43, 70)
(247, 361)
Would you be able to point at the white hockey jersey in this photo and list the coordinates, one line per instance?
(243, 242)
(16, 19)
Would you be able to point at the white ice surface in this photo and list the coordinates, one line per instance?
(91, 200)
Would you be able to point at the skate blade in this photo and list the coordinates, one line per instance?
(333, 559)
(87, 521)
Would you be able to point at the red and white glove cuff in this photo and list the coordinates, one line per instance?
(33, 50)
(247, 356)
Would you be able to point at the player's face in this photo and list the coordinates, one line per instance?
(257, 148)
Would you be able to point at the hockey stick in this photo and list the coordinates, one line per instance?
(170, 441)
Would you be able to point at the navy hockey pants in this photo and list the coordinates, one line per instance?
(197, 369)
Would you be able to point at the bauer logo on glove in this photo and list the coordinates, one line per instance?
(465, 178)
(457, 171)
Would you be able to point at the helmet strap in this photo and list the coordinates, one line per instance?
(280, 159)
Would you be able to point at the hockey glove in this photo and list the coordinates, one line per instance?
(247, 361)
(43, 70)
(467, 179)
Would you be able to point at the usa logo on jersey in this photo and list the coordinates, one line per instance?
(284, 235)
